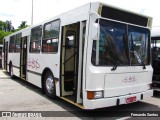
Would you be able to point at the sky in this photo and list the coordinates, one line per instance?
(20, 10)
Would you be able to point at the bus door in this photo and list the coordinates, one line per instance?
(5, 54)
(156, 62)
(23, 57)
(71, 62)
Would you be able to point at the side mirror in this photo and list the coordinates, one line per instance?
(95, 30)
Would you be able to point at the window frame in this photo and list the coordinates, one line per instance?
(15, 39)
(18, 38)
(127, 30)
(11, 44)
(40, 40)
(51, 38)
(148, 46)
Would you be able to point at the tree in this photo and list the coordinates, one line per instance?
(3, 25)
(9, 26)
(6, 28)
(2, 35)
(23, 25)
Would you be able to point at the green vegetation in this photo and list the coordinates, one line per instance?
(2, 35)
(6, 28)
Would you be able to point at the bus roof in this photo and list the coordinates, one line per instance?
(83, 11)
(126, 10)
(80, 14)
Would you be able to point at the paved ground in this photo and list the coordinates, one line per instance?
(18, 95)
(3, 74)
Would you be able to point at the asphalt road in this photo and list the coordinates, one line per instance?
(18, 95)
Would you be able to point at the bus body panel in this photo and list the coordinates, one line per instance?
(125, 81)
(14, 59)
(34, 79)
(38, 62)
(70, 17)
(101, 76)
(36, 65)
(116, 84)
(112, 101)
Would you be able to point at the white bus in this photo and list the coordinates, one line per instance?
(155, 45)
(94, 56)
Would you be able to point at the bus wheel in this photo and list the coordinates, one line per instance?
(49, 85)
(11, 71)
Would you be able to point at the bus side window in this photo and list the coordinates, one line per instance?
(35, 43)
(70, 41)
(18, 42)
(51, 37)
(12, 43)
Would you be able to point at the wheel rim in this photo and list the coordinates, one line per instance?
(49, 84)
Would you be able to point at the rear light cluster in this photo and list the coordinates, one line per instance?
(94, 94)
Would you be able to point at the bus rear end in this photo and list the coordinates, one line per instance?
(118, 69)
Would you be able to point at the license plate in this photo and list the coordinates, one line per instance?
(131, 99)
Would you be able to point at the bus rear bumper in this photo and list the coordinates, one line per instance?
(114, 101)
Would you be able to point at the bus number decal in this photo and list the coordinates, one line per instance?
(129, 79)
(33, 64)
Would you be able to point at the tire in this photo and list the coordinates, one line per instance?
(11, 71)
(49, 85)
